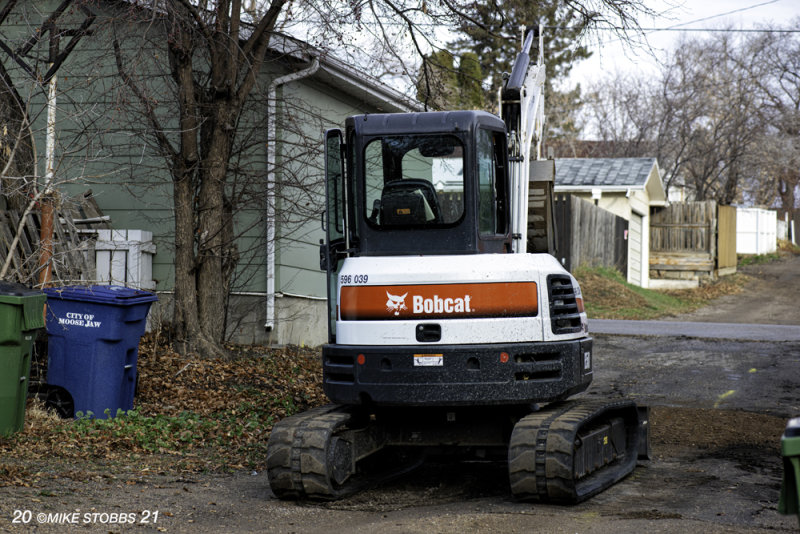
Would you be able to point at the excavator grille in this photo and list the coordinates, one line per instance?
(565, 318)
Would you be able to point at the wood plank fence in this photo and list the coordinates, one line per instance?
(692, 241)
(589, 235)
(73, 260)
(726, 240)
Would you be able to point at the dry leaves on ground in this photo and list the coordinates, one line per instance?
(189, 415)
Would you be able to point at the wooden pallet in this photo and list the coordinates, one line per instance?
(79, 218)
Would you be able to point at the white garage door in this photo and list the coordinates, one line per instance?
(635, 250)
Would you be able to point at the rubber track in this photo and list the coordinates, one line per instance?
(541, 452)
(297, 454)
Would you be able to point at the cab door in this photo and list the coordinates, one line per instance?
(334, 249)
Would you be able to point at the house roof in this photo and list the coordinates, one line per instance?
(344, 76)
(604, 172)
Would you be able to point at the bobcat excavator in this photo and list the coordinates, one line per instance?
(445, 332)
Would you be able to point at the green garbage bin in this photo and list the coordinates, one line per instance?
(21, 314)
(790, 488)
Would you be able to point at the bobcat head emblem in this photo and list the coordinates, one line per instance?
(396, 303)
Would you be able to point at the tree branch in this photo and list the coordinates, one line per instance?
(150, 113)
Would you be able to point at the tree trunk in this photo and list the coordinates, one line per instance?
(192, 229)
(211, 228)
(184, 312)
(787, 183)
(191, 335)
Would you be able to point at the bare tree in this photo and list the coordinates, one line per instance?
(778, 85)
(619, 110)
(701, 118)
(214, 60)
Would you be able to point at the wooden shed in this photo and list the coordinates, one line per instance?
(628, 188)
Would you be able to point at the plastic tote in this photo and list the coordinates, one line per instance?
(21, 314)
(93, 346)
(790, 488)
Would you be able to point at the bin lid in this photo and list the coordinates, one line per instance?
(13, 289)
(792, 428)
(31, 300)
(114, 295)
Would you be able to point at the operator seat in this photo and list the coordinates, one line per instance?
(409, 202)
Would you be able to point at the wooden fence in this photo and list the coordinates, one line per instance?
(684, 227)
(726, 239)
(692, 241)
(74, 233)
(589, 235)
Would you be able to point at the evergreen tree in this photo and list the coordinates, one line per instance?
(437, 86)
(495, 38)
(469, 81)
(444, 86)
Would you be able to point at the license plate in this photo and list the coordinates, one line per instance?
(428, 360)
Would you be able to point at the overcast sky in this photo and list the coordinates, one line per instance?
(684, 14)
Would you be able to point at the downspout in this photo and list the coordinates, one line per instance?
(272, 106)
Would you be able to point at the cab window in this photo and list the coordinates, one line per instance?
(414, 181)
(492, 191)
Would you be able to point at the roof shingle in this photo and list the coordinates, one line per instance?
(603, 172)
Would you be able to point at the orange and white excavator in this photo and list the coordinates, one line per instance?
(452, 327)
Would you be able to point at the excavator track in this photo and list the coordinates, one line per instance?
(324, 454)
(564, 453)
(300, 452)
(573, 450)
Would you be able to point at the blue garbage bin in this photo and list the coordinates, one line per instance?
(93, 345)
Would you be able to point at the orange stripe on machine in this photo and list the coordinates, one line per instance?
(437, 301)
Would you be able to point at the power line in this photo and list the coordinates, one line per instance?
(680, 27)
(724, 14)
(675, 29)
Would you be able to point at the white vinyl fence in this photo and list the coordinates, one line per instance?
(756, 231)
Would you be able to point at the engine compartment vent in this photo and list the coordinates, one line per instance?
(565, 318)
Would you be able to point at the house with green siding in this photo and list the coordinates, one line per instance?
(277, 292)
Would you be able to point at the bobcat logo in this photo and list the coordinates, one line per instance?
(396, 304)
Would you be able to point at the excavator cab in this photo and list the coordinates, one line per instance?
(418, 183)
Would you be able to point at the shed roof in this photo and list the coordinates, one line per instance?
(604, 172)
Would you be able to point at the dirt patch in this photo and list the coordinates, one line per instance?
(712, 471)
(769, 296)
(698, 428)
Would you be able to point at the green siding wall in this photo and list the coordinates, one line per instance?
(310, 108)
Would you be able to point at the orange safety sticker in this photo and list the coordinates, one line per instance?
(438, 301)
